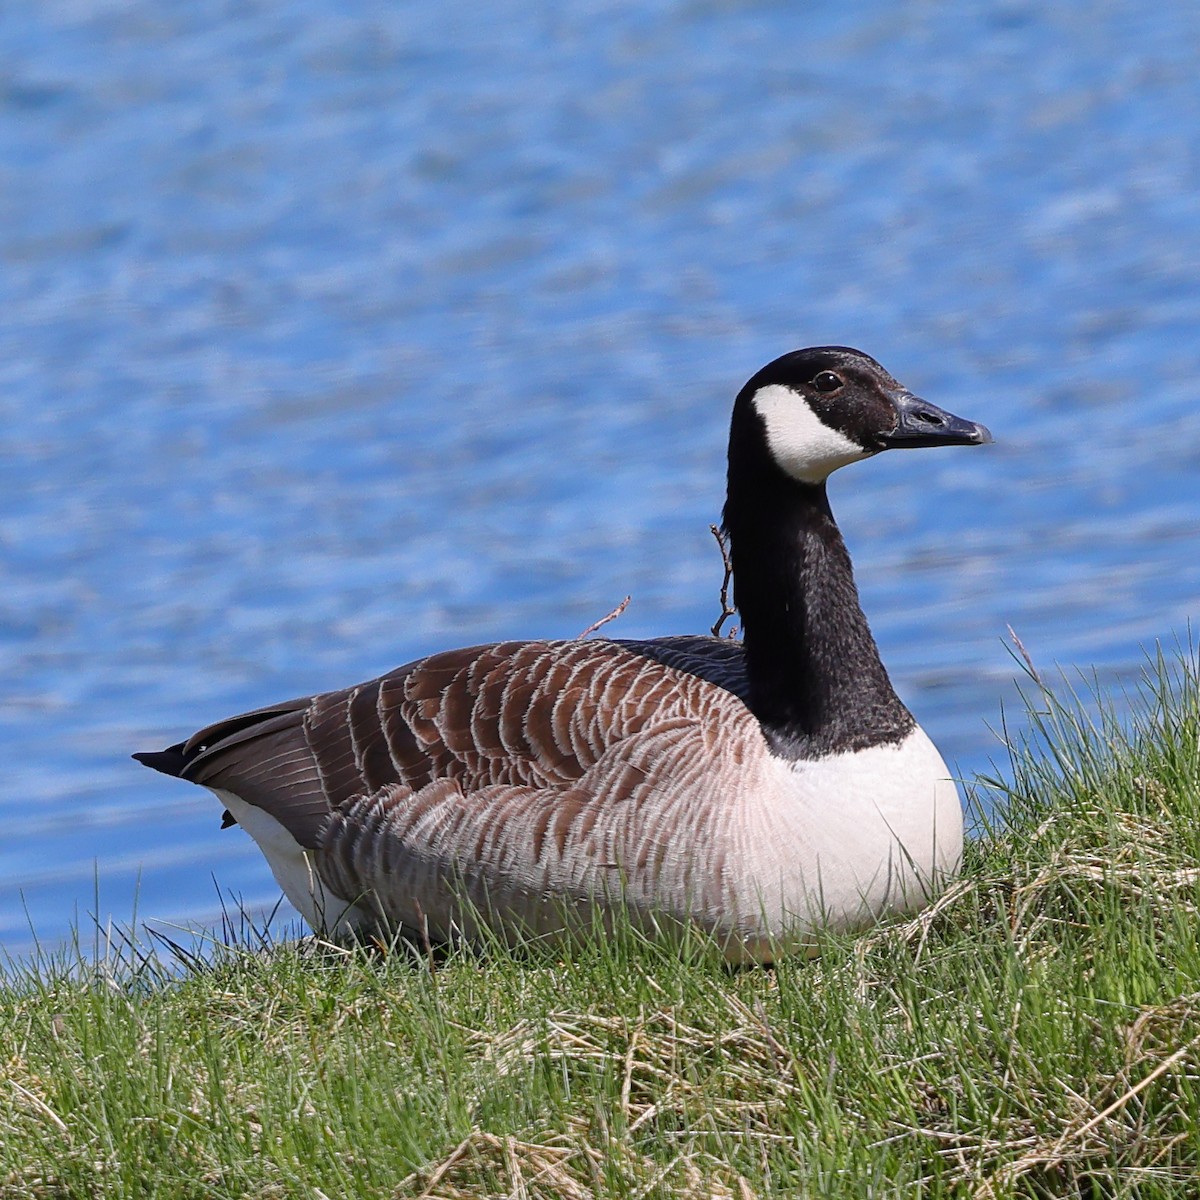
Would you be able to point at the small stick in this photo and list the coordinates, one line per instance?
(612, 616)
(727, 609)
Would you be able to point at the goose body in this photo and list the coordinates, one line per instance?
(759, 789)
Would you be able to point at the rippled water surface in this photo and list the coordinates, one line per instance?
(336, 334)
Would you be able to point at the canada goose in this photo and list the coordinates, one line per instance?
(757, 789)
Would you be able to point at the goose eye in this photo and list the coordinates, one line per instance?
(827, 381)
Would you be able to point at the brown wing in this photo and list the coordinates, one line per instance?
(531, 716)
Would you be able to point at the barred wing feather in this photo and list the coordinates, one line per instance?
(520, 769)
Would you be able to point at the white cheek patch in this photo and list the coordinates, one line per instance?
(799, 441)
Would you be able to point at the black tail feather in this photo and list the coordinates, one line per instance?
(170, 761)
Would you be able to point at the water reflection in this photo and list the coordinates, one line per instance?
(420, 331)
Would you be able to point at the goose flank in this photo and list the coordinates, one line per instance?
(758, 790)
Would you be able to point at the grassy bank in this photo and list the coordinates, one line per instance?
(1037, 1033)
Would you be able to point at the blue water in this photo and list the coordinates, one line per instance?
(333, 334)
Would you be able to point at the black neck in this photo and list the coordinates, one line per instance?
(817, 684)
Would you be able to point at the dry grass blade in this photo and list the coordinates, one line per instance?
(531, 1170)
(1072, 1139)
(544, 1171)
(748, 1070)
(38, 1104)
(1025, 656)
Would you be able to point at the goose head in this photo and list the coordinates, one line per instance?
(812, 411)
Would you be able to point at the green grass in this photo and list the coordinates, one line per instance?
(1035, 1033)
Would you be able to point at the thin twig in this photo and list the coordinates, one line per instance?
(727, 609)
(612, 616)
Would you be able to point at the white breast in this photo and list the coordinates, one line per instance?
(845, 839)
